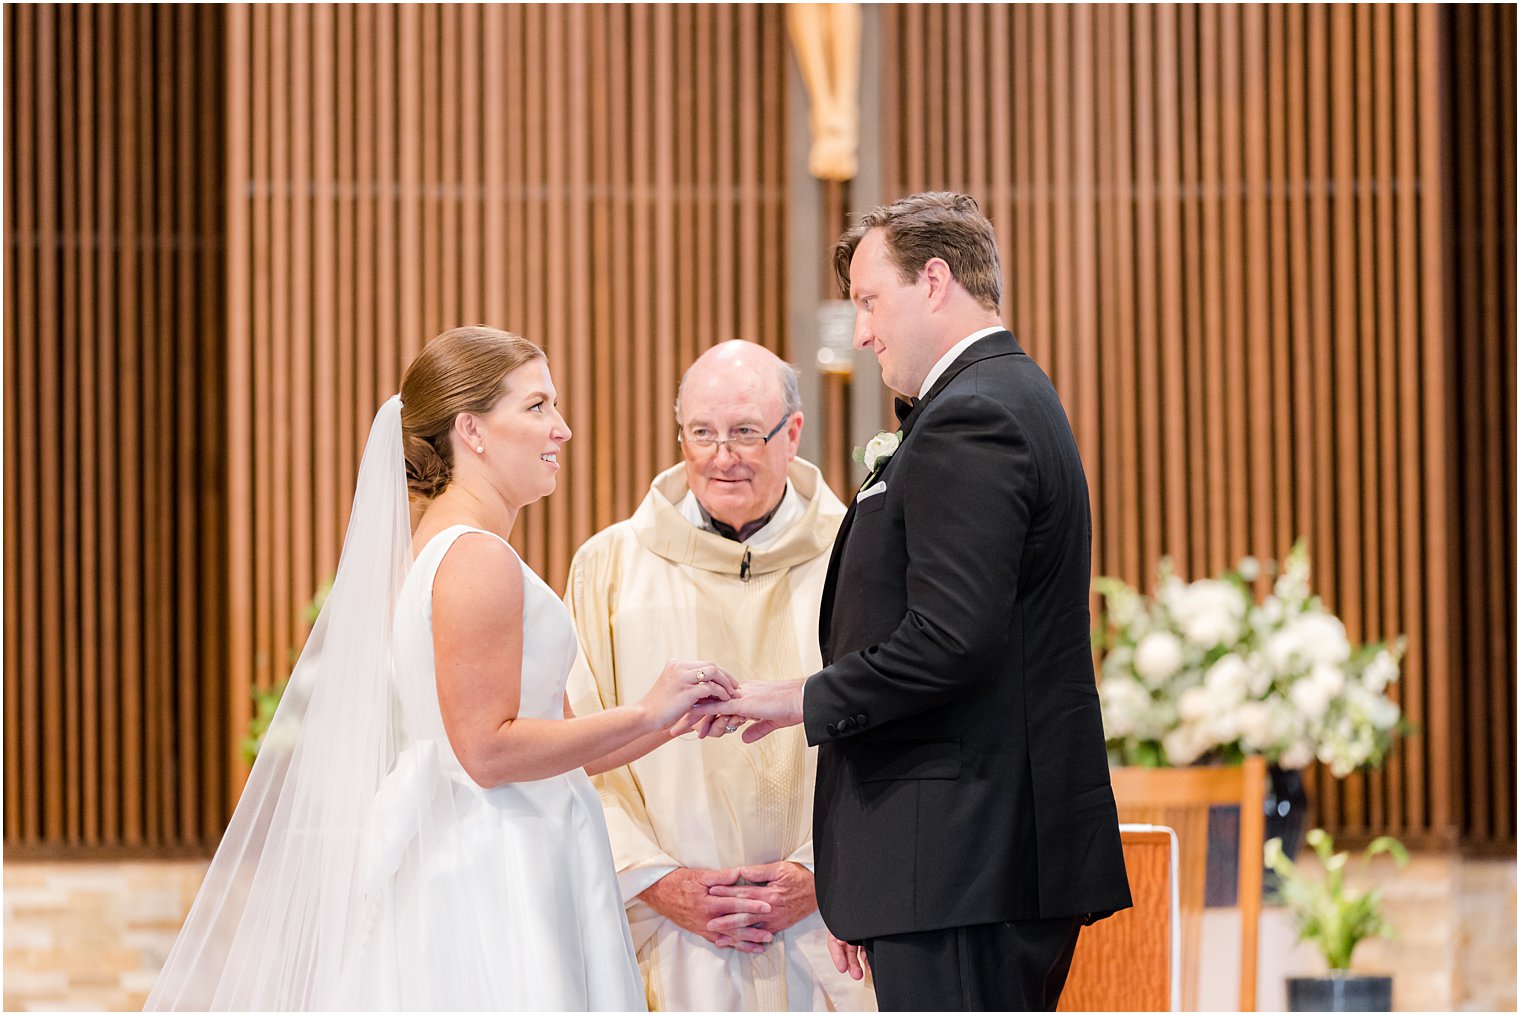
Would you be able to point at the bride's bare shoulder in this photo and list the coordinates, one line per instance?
(478, 570)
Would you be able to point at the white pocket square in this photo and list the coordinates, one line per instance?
(871, 491)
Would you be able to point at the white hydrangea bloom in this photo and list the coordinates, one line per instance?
(1310, 698)
(1383, 713)
(1184, 744)
(1330, 678)
(1209, 612)
(1229, 679)
(1298, 755)
(1283, 651)
(1158, 656)
(1195, 705)
(1257, 724)
(1124, 703)
(1381, 671)
(1323, 638)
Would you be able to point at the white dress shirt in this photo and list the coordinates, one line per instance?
(955, 350)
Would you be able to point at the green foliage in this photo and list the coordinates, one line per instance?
(267, 699)
(314, 608)
(1326, 912)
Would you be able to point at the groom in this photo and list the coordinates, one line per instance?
(964, 827)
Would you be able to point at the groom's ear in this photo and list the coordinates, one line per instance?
(936, 272)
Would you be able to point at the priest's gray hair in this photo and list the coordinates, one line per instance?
(787, 376)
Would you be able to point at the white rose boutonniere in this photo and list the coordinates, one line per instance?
(879, 449)
(877, 452)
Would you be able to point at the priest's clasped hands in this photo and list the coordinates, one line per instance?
(766, 705)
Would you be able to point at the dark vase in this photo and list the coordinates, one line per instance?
(1287, 807)
(1340, 991)
(1287, 815)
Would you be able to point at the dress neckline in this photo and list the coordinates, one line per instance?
(435, 537)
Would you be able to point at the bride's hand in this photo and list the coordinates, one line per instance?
(681, 685)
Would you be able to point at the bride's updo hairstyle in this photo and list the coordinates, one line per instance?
(459, 371)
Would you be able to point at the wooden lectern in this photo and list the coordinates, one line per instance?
(1130, 961)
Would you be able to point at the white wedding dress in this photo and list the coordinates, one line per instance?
(362, 868)
(501, 898)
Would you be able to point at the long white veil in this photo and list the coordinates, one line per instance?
(282, 907)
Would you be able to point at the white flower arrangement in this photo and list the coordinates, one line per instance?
(1201, 670)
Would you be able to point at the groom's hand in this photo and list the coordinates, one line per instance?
(849, 959)
(786, 886)
(683, 898)
(768, 704)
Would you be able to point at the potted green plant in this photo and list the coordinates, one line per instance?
(1335, 919)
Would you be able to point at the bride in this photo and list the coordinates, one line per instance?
(419, 830)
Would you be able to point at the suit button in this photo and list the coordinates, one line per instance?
(831, 730)
(860, 720)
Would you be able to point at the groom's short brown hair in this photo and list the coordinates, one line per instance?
(928, 225)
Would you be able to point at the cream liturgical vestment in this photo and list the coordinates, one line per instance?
(657, 587)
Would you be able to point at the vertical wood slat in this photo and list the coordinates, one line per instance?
(46, 380)
(156, 76)
(293, 392)
(69, 642)
(1280, 220)
(1500, 525)
(128, 442)
(1124, 491)
(1280, 143)
(1407, 809)
(242, 633)
(182, 697)
(1232, 247)
(25, 518)
(1436, 322)
(14, 147)
(1148, 418)
(1172, 299)
(1212, 288)
(89, 588)
(582, 362)
(212, 213)
(1262, 407)
(1474, 561)
(1385, 473)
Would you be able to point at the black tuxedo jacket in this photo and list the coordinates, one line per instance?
(962, 776)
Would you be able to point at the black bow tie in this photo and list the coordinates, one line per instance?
(902, 408)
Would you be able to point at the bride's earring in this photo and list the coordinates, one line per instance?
(480, 451)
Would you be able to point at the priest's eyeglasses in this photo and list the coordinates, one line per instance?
(744, 439)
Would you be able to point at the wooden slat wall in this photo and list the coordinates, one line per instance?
(228, 230)
(1258, 249)
(115, 545)
(606, 181)
(1270, 270)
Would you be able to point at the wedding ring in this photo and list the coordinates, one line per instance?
(731, 729)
